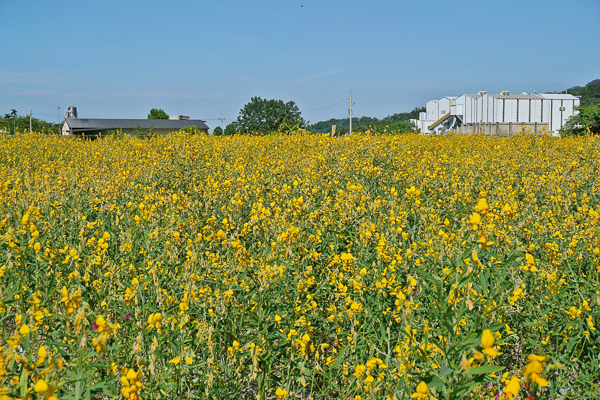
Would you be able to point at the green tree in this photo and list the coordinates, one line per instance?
(590, 93)
(230, 129)
(157, 113)
(218, 131)
(13, 122)
(395, 123)
(190, 129)
(586, 121)
(13, 114)
(264, 116)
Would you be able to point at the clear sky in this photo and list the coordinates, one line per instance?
(121, 58)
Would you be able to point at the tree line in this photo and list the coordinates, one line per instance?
(395, 123)
(263, 116)
(588, 119)
(590, 93)
(13, 122)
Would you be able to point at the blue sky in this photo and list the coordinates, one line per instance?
(121, 58)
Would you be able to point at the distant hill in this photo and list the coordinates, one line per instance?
(590, 93)
(398, 122)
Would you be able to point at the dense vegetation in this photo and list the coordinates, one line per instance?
(298, 266)
(396, 123)
(260, 116)
(590, 93)
(10, 122)
(586, 122)
(157, 113)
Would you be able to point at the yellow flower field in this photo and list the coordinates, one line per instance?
(361, 267)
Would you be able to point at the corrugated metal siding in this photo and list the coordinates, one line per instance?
(102, 124)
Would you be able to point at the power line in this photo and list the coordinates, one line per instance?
(351, 111)
(324, 108)
(46, 115)
(321, 103)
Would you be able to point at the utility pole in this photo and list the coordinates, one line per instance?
(222, 121)
(350, 111)
(30, 114)
(59, 114)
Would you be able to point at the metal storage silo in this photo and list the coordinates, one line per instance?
(72, 112)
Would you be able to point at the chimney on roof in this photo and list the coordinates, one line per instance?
(505, 93)
(482, 92)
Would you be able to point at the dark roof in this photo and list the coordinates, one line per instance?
(88, 124)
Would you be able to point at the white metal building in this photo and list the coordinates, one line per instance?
(497, 113)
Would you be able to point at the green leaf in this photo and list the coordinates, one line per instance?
(445, 370)
(433, 381)
(486, 369)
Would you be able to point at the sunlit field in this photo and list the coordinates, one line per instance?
(299, 267)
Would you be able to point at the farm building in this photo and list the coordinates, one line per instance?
(94, 126)
(502, 113)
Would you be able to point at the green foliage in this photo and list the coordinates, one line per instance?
(142, 132)
(586, 122)
(296, 127)
(230, 129)
(218, 131)
(12, 121)
(265, 116)
(190, 129)
(157, 113)
(590, 93)
(395, 123)
(299, 263)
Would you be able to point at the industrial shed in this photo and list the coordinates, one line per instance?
(96, 126)
(502, 113)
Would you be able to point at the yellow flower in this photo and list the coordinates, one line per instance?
(42, 354)
(545, 341)
(482, 206)
(40, 386)
(346, 257)
(131, 384)
(154, 320)
(360, 370)
(487, 342)
(512, 388)
(24, 330)
(475, 220)
(281, 393)
(175, 360)
(422, 392)
(102, 325)
(530, 259)
(99, 343)
(534, 368)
